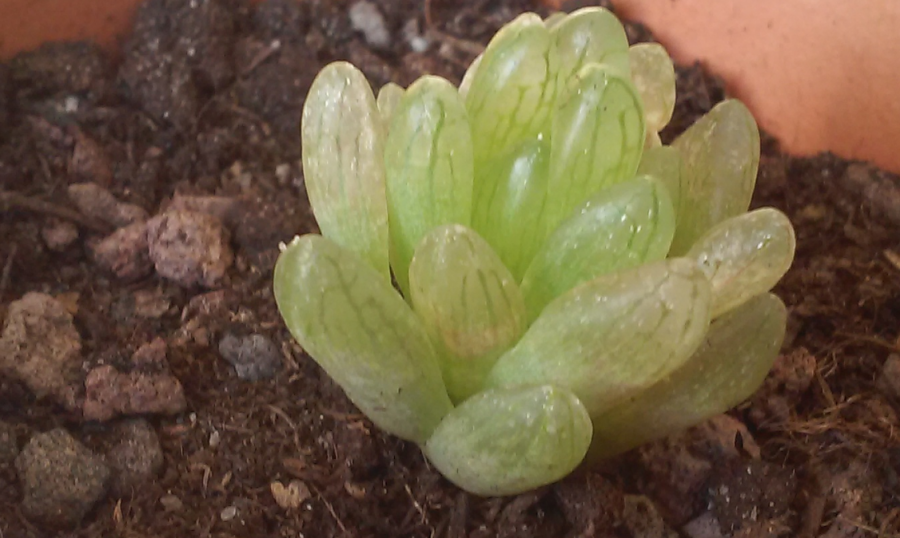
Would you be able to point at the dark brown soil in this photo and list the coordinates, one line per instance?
(206, 100)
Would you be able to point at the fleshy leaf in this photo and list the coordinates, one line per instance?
(664, 163)
(469, 302)
(721, 157)
(653, 75)
(389, 97)
(513, 90)
(466, 83)
(554, 19)
(510, 193)
(362, 333)
(343, 163)
(503, 442)
(619, 228)
(591, 35)
(728, 367)
(745, 256)
(598, 137)
(610, 338)
(428, 161)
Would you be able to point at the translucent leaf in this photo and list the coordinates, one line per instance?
(362, 333)
(469, 302)
(653, 75)
(664, 163)
(721, 157)
(728, 367)
(745, 256)
(619, 228)
(510, 193)
(389, 97)
(513, 90)
(652, 140)
(428, 161)
(503, 442)
(343, 163)
(591, 35)
(612, 337)
(466, 82)
(554, 19)
(598, 137)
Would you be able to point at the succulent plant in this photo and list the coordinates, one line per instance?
(516, 272)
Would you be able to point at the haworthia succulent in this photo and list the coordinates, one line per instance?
(469, 302)
(389, 97)
(513, 89)
(727, 368)
(598, 137)
(653, 75)
(469, 76)
(721, 157)
(619, 228)
(503, 442)
(428, 161)
(745, 256)
(343, 163)
(664, 163)
(591, 35)
(359, 329)
(610, 338)
(554, 19)
(510, 197)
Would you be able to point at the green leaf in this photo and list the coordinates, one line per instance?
(653, 75)
(728, 367)
(591, 35)
(619, 228)
(343, 163)
(598, 137)
(664, 163)
(389, 97)
(721, 157)
(513, 90)
(362, 333)
(611, 338)
(428, 160)
(504, 442)
(466, 83)
(510, 193)
(555, 18)
(469, 302)
(745, 256)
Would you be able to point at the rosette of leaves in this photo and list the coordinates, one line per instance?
(516, 272)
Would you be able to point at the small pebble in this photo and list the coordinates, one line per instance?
(189, 248)
(137, 457)
(290, 497)
(889, 381)
(59, 234)
(367, 19)
(171, 503)
(228, 513)
(254, 357)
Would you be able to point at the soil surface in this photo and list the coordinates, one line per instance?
(143, 200)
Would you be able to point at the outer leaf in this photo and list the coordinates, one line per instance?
(363, 334)
(727, 368)
(469, 76)
(503, 442)
(611, 338)
(554, 19)
(428, 159)
(721, 157)
(591, 35)
(664, 163)
(389, 97)
(469, 302)
(510, 197)
(513, 90)
(598, 137)
(745, 256)
(619, 228)
(343, 156)
(653, 75)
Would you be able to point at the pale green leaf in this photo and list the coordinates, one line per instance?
(614, 336)
(664, 163)
(428, 161)
(554, 19)
(504, 442)
(469, 302)
(653, 75)
(510, 195)
(721, 157)
(598, 138)
(513, 89)
(389, 97)
(591, 35)
(728, 367)
(745, 256)
(343, 163)
(619, 228)
(362, 333)
(466, 83)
